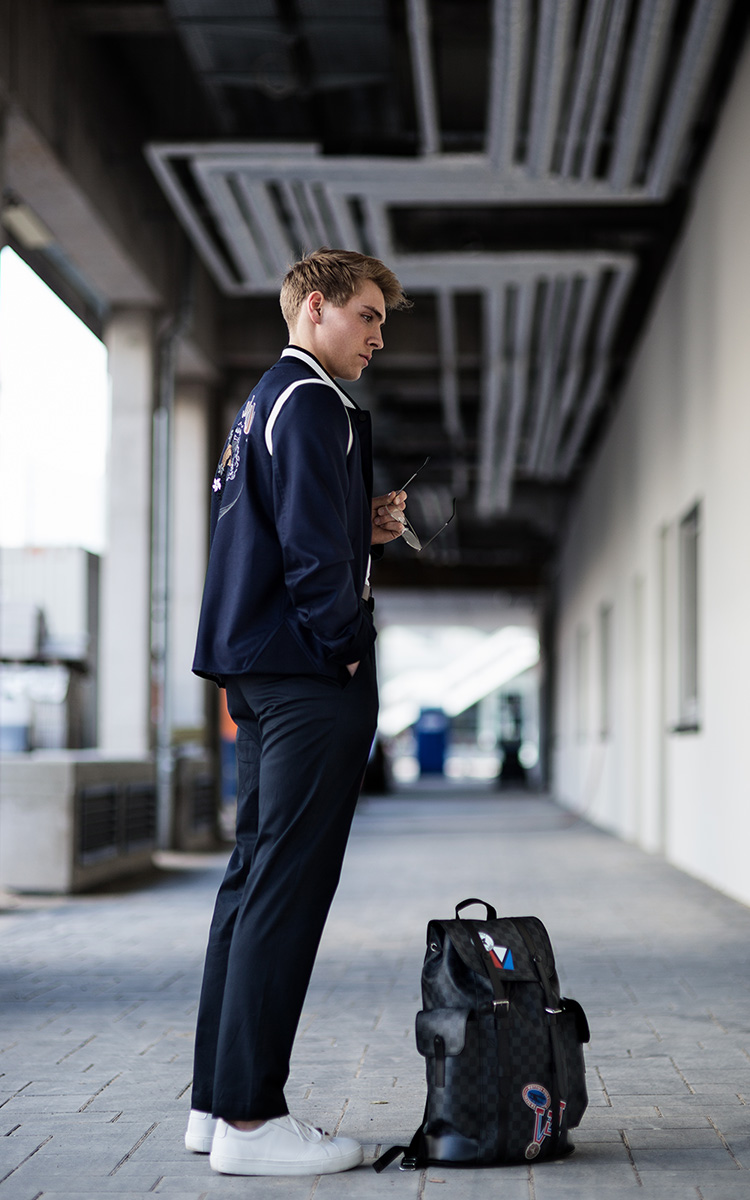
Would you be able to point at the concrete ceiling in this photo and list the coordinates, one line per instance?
(523, 165)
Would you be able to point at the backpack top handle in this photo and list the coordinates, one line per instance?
(491, 912)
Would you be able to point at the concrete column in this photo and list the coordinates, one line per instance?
(189, 543)
(3, 122)
(124, 726)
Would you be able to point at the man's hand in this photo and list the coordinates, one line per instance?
(387, 522)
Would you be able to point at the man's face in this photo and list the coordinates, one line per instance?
(348, 336)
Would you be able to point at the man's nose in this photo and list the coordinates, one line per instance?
(376, 340)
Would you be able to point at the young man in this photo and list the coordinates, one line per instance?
(286, 627)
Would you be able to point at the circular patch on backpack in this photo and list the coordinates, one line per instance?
(537, 1097)
(532, 1149)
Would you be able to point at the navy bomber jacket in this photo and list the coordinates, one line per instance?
(290, 531)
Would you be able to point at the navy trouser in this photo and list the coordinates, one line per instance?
(302, 748)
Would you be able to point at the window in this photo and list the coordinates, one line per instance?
(689, 620)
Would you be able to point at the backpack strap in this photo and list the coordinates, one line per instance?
(414, 1154)
(553, 1009)
(500, 1001)
(500, 1009)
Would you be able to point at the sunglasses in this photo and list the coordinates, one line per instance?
(410, 535)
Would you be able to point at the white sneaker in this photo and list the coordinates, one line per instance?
(283, 1146)
(200, 1132)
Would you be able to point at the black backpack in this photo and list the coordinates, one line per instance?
(505, 1072)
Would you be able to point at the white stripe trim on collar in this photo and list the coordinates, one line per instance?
(306, 357)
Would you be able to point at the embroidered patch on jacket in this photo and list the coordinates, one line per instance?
(226, 457)
(230, 459)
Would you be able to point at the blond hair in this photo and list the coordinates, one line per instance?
(338, 275)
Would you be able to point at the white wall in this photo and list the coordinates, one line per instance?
(681, 435)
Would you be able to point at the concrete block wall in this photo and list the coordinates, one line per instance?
(70, 821)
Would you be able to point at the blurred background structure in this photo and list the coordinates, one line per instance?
(561, 186)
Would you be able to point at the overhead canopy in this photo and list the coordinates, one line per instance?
(523, 165)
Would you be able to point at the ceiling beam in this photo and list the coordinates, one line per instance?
(561, 292)
(518, 387)
(450, 392)
(425, 96)
(592, 399)
(586, 73)
(553, 37)
(699, 52)
(647, 58)
(570, 388)
(510, 30)
(448, 349)
(491, 399)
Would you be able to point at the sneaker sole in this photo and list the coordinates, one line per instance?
(199, 1145)
(327, 1166)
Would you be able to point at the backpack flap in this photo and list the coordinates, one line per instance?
(454, 974)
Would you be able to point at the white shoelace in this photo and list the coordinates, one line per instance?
(304, 1131)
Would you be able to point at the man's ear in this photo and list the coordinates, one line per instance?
(314, 305)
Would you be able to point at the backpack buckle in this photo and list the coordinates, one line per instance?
(408, 1163)
(501, 1007)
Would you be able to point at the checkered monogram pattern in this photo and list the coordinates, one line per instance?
(494, 1074)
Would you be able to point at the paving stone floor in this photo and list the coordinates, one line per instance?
(99, 995)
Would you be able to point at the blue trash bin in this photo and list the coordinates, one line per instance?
(432, 741)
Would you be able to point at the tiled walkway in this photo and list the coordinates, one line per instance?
(99, 995)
